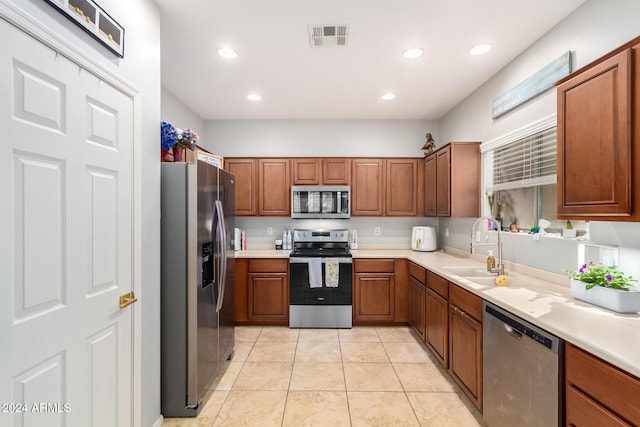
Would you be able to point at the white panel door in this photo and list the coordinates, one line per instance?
(66, 163)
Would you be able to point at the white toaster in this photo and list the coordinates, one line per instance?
(423, 239)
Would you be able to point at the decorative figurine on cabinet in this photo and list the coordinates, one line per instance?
(429, 145)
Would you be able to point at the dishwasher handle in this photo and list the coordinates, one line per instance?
(514, 325)
(512, 332)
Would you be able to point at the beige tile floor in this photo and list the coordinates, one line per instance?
(363, 376)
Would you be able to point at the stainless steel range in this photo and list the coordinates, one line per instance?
(320, 279)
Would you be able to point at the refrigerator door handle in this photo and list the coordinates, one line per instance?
(222, 233)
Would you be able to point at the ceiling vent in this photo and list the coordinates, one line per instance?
(328, 35)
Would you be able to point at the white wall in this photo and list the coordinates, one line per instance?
(594, 29)
(174, 111)
(300, 138)
(141, 68)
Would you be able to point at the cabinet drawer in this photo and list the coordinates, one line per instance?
(268, 265)
(465, 301)
(373, 266)
(584, 412)
(604, 383)
(418, 272)
(438, 284)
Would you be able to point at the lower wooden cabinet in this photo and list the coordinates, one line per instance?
(374, 296)
(597, 393)
(380, 291)
(453, 333)
(262, 291)
(437, 317)
(417, 298)
(417, 304)
(268, 296)
(465, 342)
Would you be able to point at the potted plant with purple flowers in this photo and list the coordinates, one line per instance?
(187, 138)
(605, 287)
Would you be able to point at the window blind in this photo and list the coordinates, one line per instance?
(525, 158)
(526, 162)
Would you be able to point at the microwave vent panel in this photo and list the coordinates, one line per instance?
(328, 35)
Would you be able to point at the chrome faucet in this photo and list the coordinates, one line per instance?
(499, 268)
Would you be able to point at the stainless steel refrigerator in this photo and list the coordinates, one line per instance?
(197, 282)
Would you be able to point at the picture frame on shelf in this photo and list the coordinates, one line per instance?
(89, 16)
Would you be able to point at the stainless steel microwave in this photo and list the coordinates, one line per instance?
(320, 201)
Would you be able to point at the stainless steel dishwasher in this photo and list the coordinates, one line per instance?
(522, 371)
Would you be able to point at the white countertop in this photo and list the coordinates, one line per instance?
(541, 298)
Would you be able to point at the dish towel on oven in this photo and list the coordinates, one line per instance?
(315, 272)
(331, 272)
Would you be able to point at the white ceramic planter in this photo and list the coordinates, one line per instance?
(612, 299)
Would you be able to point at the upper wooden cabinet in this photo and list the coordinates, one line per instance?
(430, 180)
(404, 191)
(598, 141)
(391, 187)
(321, 171)
(367, 187)
(246, 189)
(306, 171)
(274, 180)
(443, 181)
(336, 171)
(456, 190)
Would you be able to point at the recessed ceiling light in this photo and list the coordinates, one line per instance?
(413, 53)
(227, 53)
(480, 49)
(254, 97)
(388, 96)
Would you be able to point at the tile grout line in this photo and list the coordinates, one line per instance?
(344, 378)
(401, 384)
(293, 362)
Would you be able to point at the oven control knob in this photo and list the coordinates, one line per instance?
(339, 235)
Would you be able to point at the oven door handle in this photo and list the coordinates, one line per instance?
(302, 260)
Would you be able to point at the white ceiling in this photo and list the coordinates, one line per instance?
(297, 81)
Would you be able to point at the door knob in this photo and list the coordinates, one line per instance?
(127, 299)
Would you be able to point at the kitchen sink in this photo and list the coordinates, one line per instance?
(468, 271)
